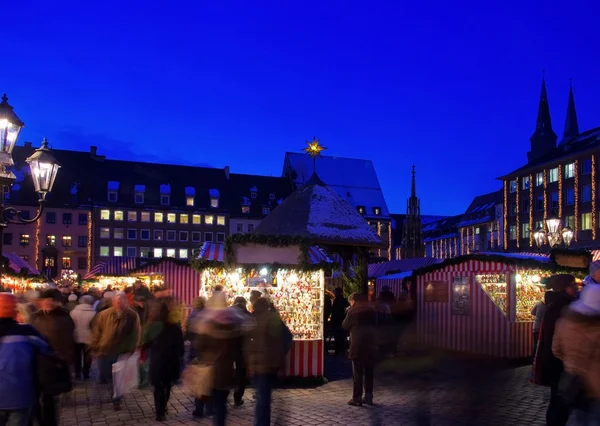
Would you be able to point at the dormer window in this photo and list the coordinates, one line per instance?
(361, 209)
(376, 211)
(113, 191)
(245, 209)
(190, 195)
(165, 195)
(139, 191)
(271, 196)
(266, 210)
(214, 198)
(253, 192)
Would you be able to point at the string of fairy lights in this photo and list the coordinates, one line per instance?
(531, 224)
(545, 197)
(89, 242)
(505, 215)
(518, 212)
(576, 207)
(560, 190)
(594, 206)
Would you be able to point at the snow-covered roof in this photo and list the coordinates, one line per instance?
(214, 193)
(540, 257)
(398, 276)
(245, 201)
(190, 191)
(317, 212)
(442, 237)
(139, 188)
(113, 185)
(165, 188)
(400, 265)
(253, 189)
(474, 222)
(355, 180)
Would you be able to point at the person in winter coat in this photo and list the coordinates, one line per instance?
(219, 329)
(564, 289)
(240, 364)
(594, 276)
(165, 362)
(361, 322)
(577, 343)
(115, 331)
(19, 344)
(198, 306)
(53, 322)
(265, 349)
(82, 315)
(538, 313)
(338, 313)
(71, 302)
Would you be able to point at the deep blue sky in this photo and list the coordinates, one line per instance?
(452, 87)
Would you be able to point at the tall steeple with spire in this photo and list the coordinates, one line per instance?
(571, 123)
(543, 140)
(412, 235)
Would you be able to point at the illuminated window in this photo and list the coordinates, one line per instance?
(569, 170)
(159, 217)
(525, 183)
(132, 216)
(171, 218)
(66, 241)
(183, 235)
(184, 218)
(476, 231)
(183, 253)
(171, 235)
(105, 214)
(361, 209)
(539, 224)
(51, 240)
(119, 215)
(214, 202)
(539, 179)
(221, 220)
(104, 250)
(118, 251)
(104, 232)
(189, 201)
(512, 232)
(24, 239)
(66, 263)
(209, 220)
(49, 262)
(158, 252)
(197, 219)
(553, 175)
(145, 216)
(145, 251)
(525, 231)
(586, 221)
(170, 252)
(158, 235)
(118, 234)
(245, 209)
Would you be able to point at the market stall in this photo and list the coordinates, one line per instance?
(482, 303)
(397, 283)
(295, 287)
(19, 276)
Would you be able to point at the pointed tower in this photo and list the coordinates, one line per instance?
(571, 123)
(543, 140)
(412, 238)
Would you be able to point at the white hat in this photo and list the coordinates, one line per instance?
(72, 298)
(588, 302)
(109, 295)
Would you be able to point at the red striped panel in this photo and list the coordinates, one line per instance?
(182, 279)
(304, 359)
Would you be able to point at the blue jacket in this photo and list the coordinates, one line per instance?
(18, 346)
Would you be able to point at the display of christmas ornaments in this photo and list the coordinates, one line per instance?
(495, 286)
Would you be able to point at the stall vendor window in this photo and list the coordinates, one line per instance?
(495, 287)
(529, 291)
(461, 291)
(436, 291)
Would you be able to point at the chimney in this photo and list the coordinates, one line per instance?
(27, 144)
(227, 172)
(93, 150)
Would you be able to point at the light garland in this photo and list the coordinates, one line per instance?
(594, 207)
(462, 241)
(505, 230)
(38, 225)
(89, 242)
(455, 246)
(545, 197)
(576, 230)
(531, 224)
(379, 233)
(518, 212)
(390, 248)
(468, 241)
(560, 194)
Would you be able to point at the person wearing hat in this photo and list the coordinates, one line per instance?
(563, 290)
(577, 344)
(55, 324)
(19, 344)
(594, 276)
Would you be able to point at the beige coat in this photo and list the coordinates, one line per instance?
(114, 334)
(82, 316)
(577, 343)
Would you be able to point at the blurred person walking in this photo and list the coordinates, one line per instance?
(82, 316)
(338, 313)
(241, 373)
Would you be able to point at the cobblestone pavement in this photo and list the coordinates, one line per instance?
(451, 393)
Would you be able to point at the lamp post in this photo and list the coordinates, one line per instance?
(555, 235)
(42, 163)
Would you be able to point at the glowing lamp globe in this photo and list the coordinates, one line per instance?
(10, 127)
(44, 169)
(567, 236)
(553, 225)
(540, 237)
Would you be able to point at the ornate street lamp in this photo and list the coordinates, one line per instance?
(555, 235)
(44, 168)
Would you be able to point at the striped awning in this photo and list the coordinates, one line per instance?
(595, 255)
(215, 252)
(115, 266)
(16, 263)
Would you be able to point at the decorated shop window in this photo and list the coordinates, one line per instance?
(461, 290)
(495, 287)
(528, 292)
(436, 291)
(297, 295)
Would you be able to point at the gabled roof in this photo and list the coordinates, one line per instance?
(400, 265)
(443, 225)
(485, 202)
(318, 213)
(355, 180)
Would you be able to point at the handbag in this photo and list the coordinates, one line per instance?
(199, 378)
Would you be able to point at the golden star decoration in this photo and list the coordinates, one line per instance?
(314, 148)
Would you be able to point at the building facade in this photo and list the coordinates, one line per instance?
(559, 181)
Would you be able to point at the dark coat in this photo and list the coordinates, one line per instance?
(550, 366)
(361, 322)
(57, 327)
(338, 310)
(167, 352)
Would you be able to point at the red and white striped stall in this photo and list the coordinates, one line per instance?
(464, 306)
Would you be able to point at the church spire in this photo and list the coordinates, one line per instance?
(412, 233)
(571, 124)
(413, 192)
(543, 140)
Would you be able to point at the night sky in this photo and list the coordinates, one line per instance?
(452, 87)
